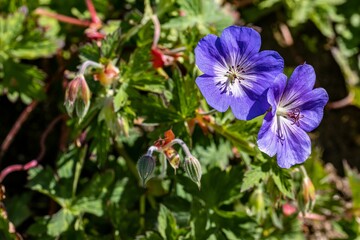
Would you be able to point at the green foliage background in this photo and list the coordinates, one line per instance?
(89, 188)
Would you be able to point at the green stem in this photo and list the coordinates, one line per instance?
(208, 113)
(128, 160)
(242, 144)
(181, 143)
(303, 170)
(142, 211)
(78, 167)
(87, 64)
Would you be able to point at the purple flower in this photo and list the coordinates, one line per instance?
(236, 74)
(296, 108)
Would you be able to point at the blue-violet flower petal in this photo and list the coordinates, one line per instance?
(236, 74)
(295, 108)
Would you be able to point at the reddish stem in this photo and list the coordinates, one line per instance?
(286, 34)
(45, 134)
(63, 18)
(157, 29)
(16, 127)
(33, 163)
(10, 169)
(342, 102)
(94, 18)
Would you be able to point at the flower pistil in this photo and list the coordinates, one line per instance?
(294, 115)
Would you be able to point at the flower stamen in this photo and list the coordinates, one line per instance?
(235, 73)
(295, 116)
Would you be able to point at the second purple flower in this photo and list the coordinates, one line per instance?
(236, 74)
(295, 108)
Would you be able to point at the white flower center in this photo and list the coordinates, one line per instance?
(235, 73)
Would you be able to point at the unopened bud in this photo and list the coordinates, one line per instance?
(288, 209)
(308, 190)
(173, 157)
(77, 96)
(257, 200)
(145, 167)
(193, 169)
(107, 75)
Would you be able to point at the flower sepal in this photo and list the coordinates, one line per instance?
(77, 97)
(145, 166)
(192, 168)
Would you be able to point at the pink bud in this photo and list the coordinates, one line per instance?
(77, 96)
(288, 209)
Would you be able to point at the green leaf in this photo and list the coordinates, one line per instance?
(200, 221)
(90, 200)
(33, 50)
(354, 181)
(90, 51)
(18, 208)
(4, 229)
(21, 38)
(234, 136)
(118, 191)
(217, 187)
(150, 236)
(59, 222)
(167, 224)
(185, 93)
(236, 223)
(43, 181)
(282, 180)
(109, 44)
(138, 64)
(203, 14)
(101, 144)
(215, 155)
(121, 97)
(24, 79)
(10, 28)
(253, 177)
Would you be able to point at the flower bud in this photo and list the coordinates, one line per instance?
(77, 96)
(288, 209)
(257, 201)
(107, 75)
(173, 157)
(145, 167)
(308, 190)
(193, 169)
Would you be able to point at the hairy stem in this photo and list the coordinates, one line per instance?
(87, 64)
(62, 18)
(93, 14)
(181, 143)
(157, 30)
